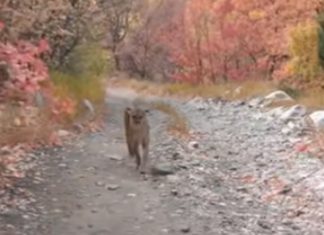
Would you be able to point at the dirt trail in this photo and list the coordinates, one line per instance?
(99, 192)
(92, 188)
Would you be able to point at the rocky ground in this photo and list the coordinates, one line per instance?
(240, 174)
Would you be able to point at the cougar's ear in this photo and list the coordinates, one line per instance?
(128, 110)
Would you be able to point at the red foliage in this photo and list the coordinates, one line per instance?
(233, 40)
(2, 25)
(25, 67)
(62, 108)
(27, 73)
(301, 148)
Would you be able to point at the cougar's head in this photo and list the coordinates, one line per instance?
(136, 115)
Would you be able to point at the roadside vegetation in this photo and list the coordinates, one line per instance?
(56, 56)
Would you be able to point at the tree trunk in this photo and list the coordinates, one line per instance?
(117, 61)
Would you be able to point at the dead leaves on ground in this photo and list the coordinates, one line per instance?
(9, 164)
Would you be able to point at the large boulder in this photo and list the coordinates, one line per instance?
(318, 119)
(277, 97)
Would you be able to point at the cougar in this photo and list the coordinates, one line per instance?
(137, 134)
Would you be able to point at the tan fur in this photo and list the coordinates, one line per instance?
(126, 125)
(137, 134)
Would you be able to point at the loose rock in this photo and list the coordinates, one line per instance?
(113, 187)
(162, 169)
(318, 119)
(185, 229)
(193, 145)
(115, 157)
(100, 183)
(296, 111)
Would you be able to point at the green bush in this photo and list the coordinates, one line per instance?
(89, 59)
(304, 48)
(83, 76)
(79, 88)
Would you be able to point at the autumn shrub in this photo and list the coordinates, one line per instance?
(22, 69)
(303, 48)
(30, 106)
(22, 75)
(64, 23)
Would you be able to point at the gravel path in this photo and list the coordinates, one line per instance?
(239, 175)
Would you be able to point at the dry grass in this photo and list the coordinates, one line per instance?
(16, 127)
(313, 99)
(252, 88)
(178, 124)
(78, 88)
(144, 87)
(189, 90)
(186, 90)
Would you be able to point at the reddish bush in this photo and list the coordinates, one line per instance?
(233, 40)
(23, 69)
